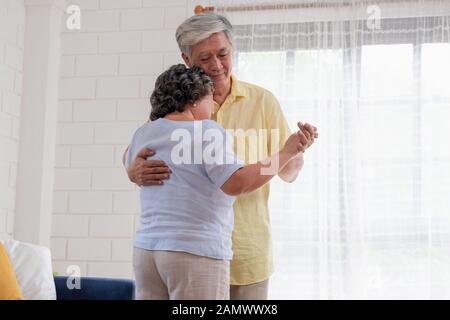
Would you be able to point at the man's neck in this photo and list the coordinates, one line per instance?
(221, 94)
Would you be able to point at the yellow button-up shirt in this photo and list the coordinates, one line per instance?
(254, 114)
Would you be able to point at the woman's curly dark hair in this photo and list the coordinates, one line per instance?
(176, 87)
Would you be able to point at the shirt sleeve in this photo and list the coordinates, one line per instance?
(127, 161)
(130, 153)
(227, 164)
(279, 130)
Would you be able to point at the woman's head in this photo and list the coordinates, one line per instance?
(180, 87)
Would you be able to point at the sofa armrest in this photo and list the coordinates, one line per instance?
(95, 289)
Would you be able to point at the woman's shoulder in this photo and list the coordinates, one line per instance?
(211, 124)
(149, 127)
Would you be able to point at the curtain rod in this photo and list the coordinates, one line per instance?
(200, 9)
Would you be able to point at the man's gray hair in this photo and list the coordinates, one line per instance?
(199, 27)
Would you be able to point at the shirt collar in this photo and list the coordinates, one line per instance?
(237, 92)
(237, 89)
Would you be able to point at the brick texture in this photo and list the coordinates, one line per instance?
(12, 22)
(108, 71)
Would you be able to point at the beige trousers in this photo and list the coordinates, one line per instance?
(179, 276)
(256, 291)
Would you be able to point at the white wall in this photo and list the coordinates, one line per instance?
(108, 70)
(12, 21)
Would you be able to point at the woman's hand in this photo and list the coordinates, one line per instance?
(301, 140)
(295, 144)
(309, 131)
(145, 172)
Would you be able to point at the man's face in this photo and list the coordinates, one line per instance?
(214, 56)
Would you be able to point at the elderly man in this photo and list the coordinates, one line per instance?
(206, 40)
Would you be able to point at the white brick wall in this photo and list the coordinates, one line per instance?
(97, 65)
(65, 111)
(89, 249)
(79, 43)
(87, 4)
(120, 4)
(174, 16)
(59, 248)
(118, 87)
(70, 225)
(77, 88)
(90, 202)
(147, 85)
(12, 21)
(67, 66)
(141, 63)
(115, 133)
(95, 21)
(133, 110)
(122, 249)
(108, 71)
(75, 133)
(160, 41)
(60, 201)
(110, 269)
(62, 156)
(111, 226)
(141, 19)
(72, 179)
(126, 202)
(111, 179)
(92, 156)
(94, 110)
(120, 42)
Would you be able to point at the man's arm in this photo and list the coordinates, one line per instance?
(145, 172)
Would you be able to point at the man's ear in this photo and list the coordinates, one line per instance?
(186, 60)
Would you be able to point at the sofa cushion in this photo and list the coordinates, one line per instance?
(9, 287)
(33, 267)
(94, 288)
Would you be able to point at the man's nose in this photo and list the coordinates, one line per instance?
(216, 64)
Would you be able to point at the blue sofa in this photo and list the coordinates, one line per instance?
(95, 289)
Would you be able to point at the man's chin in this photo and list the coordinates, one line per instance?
(221, 80)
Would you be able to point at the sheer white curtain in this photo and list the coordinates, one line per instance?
(369, 216)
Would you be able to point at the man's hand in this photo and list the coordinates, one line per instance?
(145, 172)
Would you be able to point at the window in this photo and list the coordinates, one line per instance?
(369, 209)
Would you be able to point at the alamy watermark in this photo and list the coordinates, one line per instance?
(73, 22)
(373, 21)
(74, 277)
(215, 147)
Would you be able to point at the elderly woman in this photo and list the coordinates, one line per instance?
(206, 40)
(183, 246)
